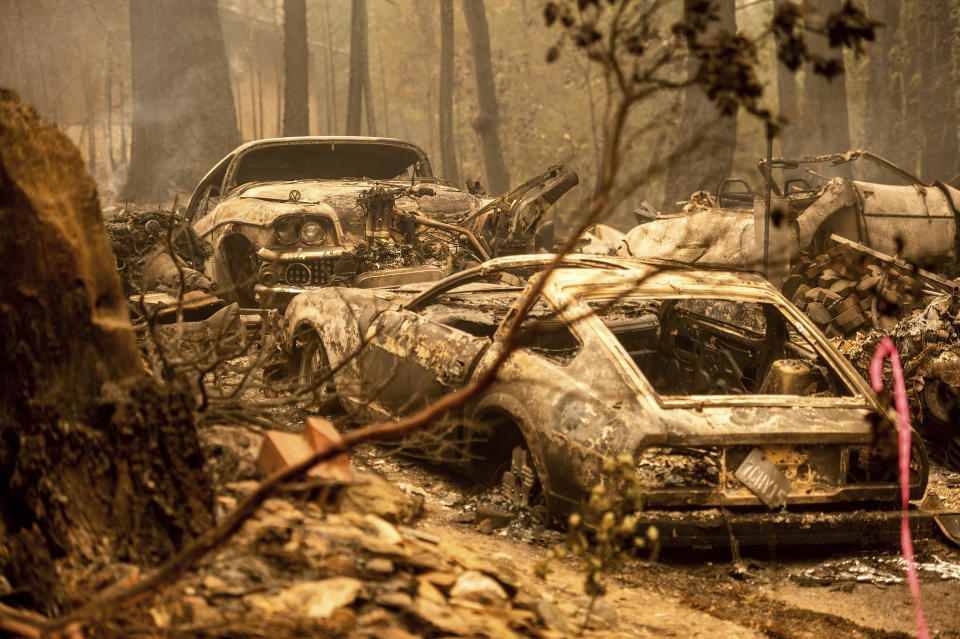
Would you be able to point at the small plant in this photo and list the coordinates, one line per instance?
(608, 530)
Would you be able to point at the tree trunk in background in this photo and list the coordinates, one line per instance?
(89, 100)
(825, 125)
(908, 60)
(789, 104)
(368, 102)
(938, 78)
(448, 155)
(711, 138)
(487, 119)
(427, 12)
(99, 463)
(108, 94)
(296, 109)
(330, 69)
(184, 119)
(884, 93)
(358, 66)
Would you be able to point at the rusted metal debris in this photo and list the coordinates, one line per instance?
(288, 215)
(857, 295)
(917, 222)
(692, 372)
(141, 242)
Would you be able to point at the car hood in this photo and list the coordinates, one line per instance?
(342, 195)
(752, 424)
(259, 204)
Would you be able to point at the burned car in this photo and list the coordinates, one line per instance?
(915, 221)
(731, 401)
(287, 215)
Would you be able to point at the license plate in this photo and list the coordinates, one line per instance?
(764, 479)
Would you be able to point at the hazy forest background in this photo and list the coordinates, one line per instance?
(81, 63)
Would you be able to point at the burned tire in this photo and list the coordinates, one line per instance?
(500, 455)
(315, 377)
(919, 465)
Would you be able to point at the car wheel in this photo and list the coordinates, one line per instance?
(500, 453)
(315, 377)
(919, 466)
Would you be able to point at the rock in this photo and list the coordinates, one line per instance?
(380, 565)
(215, 585)
(422, 535)
(337, 565)
(399, 600)
(476, 586)
(499, 517)
(551, 616)
(486, 526)
(426, 590)
(370, 493)
(603, 614)
(437, 578)
(199, 612)
(386, 532)
(316, 545)
(441, 616)
(314, 599)
(467, 517)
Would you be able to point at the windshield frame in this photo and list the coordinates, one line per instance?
(423, 169)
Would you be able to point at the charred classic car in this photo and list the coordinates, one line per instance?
(915, 221)
(740, 414)
(290, 214)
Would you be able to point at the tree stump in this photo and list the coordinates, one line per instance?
(98, 461)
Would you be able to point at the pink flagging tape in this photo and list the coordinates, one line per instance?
(886, 348)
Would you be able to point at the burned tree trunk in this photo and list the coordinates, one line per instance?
(448, 155)
(789, 104)
(486, 122)
(358, 66)
(296, 111)
(938, 105)
(98, 461)
(825, 122)
(884, 91)
(709, 137)
(184, 119)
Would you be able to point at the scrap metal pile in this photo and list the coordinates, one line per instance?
(858, 296)
(142, 240)
(845, 291)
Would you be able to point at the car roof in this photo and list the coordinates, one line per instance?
(661, 276)
(579, 269)
(646, 275)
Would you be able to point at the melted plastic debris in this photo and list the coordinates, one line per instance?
(881, 571)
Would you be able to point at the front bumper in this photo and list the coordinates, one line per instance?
(277, 296)
(714, 528)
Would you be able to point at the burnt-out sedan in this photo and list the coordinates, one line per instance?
(737, 410)
(287, 215)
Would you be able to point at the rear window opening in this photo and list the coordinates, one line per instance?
(689, 347)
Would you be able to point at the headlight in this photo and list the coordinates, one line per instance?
(312, 233)
(287, 232)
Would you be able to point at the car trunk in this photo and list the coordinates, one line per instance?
(750, 455)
